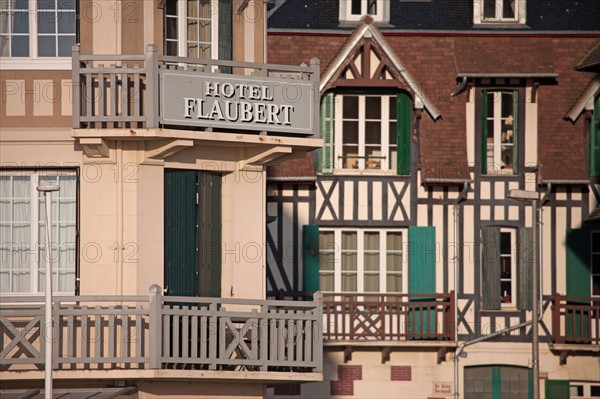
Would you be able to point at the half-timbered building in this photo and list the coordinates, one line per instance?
(432, 113)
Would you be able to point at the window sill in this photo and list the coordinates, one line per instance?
(29, 64)
(501, 25)
(366, 172)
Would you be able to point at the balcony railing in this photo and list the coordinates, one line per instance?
(575, 320)
(160, 332)
(392, 317)
(124, 91)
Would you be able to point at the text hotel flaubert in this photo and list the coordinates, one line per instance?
(237, 102)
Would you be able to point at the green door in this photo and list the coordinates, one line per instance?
(192, 233)
(578, 284)
(421, 280)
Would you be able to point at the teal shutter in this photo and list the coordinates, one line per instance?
(595, 140)
(557, 389)
(484, 126)
(421, 280)
(325, 155)
(490, 270)
(225, 32)
(310, 258)
(525, 272)
(180, 232)
(403, 108)
(578, 283)
(515, 164)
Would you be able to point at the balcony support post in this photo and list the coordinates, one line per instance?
(75, 65)
(152, 83)
(318, 332)
(155, 326)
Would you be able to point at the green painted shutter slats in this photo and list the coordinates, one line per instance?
(557, 389)
(490, 271)
(180, 232)
(595, 140)
(515, 163)
(421, 260)
(325, 155)
(209, 237)
(525, 271)
(403, 108)
(484, 125)
(310, 258)
(578, 283)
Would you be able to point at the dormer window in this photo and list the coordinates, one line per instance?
(499, 11)
(354, 10)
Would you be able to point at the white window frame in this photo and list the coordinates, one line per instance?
(496, 167)
(35, 62)
(513, 267)
(387, 165)
(383, 11)
(592, 253)
(182, 36)
(37, 242)
(360, 266)
(587, 389)
(519, 18)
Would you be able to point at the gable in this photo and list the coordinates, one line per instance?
(366, 61)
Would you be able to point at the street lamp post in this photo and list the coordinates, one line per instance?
(533, 196)
(47, 190)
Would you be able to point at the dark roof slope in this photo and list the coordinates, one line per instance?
(591, 61)
(439, 15)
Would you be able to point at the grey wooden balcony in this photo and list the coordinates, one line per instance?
(129, 91)
(163, 332)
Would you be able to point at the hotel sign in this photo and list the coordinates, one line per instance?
(238, 102)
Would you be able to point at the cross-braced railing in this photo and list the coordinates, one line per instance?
(575, 320)
(157, 332)
(395, 317)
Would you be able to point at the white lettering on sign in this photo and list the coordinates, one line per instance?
(233, 108)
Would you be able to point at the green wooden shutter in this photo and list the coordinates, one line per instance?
(310, 258)
(525, 272)
(225, 32)
(595, 140)
(484, 126)
(403, 108)
(421, 280)
(578, 282)
(325, 155)
(515, 164)
(490, 270)
(557, 389)
(180, 232)
(421, 260)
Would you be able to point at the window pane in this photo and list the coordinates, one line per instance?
(489, 9)
(46, 22)
(350, 132)
(372, 7)
(596, 263)
(171, 28)
(172, 48)
(65, 45)
(20, 4)
(508, 9)
(356, 7)
(372, 262)
(506, 291)
(20, 22)
(372, 282)
(394, 241)
(371, 241)
(349, 240)
(505, 244)
(171, 7)
(349, 262)
(596, 285)
(20, 46)
(46, 4)
(66, 22)
(66, 4)
(350, 107)
(47, 46)
(326, 282)
(505, 267)
(4, 44)
(349, 282)
(394, 262)
(394, 283)
(326, 261)
(595, 242)
(373, 133)
(595, 391)
(373, 107)
(326, 240)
